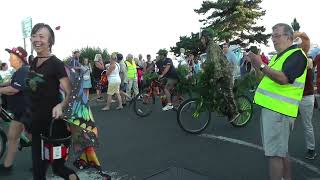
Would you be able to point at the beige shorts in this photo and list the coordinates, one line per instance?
(171, 83)
(113, 88)
(275, 131)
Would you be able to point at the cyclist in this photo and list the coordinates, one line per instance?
(223, 71)
(167, 70)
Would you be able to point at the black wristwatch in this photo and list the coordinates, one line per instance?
(262, 66)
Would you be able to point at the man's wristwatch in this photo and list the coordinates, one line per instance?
(262, 66)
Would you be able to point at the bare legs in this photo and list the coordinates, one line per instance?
(109, 100)
(98, 91)
(168, 95)
(87, 91)
(124, 97)
(279, 168)
(15, 130)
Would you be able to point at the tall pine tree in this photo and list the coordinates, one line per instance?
(191, 44)
(234, 21)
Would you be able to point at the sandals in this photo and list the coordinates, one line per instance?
(119, 108)
(105, 109)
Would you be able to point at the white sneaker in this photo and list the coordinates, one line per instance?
(167, 107)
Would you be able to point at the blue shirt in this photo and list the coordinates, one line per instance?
(74, 63)
(18, 102)
(231, 58)
(197, 68)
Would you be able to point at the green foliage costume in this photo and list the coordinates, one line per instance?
(218, 74)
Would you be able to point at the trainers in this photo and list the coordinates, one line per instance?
(167, 107)
(310, 154)
(234, 117)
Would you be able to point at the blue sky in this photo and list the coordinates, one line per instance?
(139, 26)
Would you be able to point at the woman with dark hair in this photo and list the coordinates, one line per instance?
(47, 72)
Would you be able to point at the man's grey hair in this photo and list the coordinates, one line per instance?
(130, 56)
(287, 29)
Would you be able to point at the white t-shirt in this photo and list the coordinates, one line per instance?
(114, 77)
(182, 60)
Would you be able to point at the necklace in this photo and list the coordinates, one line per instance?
(41, 60)
(42, 57)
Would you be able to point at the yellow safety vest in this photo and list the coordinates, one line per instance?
(285, 98)
(132, 70)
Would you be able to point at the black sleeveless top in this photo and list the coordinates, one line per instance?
(96, 72)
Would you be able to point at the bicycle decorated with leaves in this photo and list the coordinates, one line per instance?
(194, 115)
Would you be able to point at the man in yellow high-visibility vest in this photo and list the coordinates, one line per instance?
(132, 76)
(279, 94)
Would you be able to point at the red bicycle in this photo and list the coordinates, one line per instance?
(144, 102)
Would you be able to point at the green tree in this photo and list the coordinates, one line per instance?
(90, 52)
(191, 44)
(295, 25)
(234, 21)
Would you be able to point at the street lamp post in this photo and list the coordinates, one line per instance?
(26, 25)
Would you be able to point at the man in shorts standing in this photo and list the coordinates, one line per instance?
(279, 94)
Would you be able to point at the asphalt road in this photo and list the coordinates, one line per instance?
(155, 148)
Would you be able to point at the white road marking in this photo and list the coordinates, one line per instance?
(244, 143)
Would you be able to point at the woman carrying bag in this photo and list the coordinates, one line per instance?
(47, 72)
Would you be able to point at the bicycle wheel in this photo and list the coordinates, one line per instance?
(3, 142)
(178, 98)
(143, 104)
(245, 108)
(188, 121)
